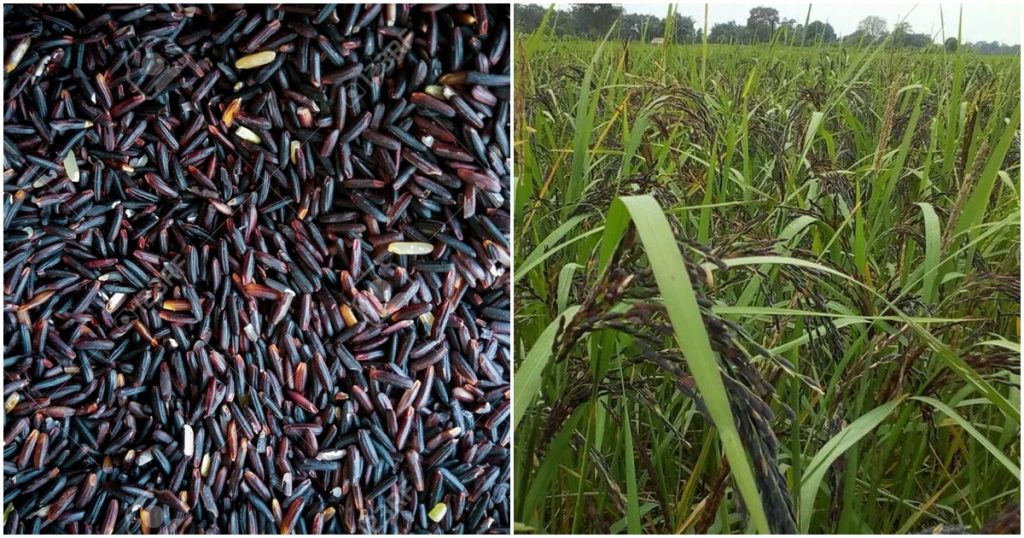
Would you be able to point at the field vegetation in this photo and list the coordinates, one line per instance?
(765, 288)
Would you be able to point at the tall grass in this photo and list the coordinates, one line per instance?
(831, 234)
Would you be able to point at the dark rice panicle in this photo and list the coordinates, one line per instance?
(256, 269)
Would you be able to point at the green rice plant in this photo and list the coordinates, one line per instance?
(763, 288)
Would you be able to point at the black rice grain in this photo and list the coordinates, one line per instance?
(256, 268)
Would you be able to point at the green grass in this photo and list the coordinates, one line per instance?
(852, 220)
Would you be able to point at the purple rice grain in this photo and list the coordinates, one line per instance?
(207, 332)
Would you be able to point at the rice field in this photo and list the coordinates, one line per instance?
(765, 289)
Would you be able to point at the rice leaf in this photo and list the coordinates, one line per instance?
(952, 360)
(963, 423)
(831, 451)
(528, 376)
(632, 501)
(680, 301)
(932, 250)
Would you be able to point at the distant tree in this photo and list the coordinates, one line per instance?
(873, 27)
(855, 39)
(789, 30)
(684, 29)
(900, 31)
(903, 36)
(655, 26)
(594, 20)
(917, 41)
(993, 47)
(727, 32)
(791, 24)
(762, 22)
(819, 31)
(637, 26)
(631, 27)
(563, 23)
(528, 17)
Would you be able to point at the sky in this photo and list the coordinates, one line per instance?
(982, 20)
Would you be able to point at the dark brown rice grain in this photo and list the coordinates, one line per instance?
(207, 326)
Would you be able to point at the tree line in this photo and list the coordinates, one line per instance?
(593, 21)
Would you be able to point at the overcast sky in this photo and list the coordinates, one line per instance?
(983, 21)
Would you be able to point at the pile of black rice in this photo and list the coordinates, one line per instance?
(256, 269)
